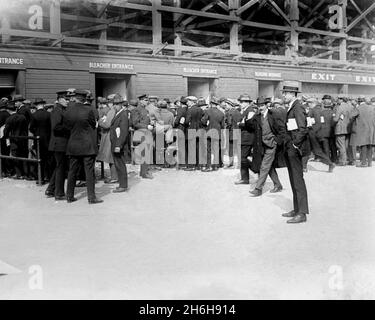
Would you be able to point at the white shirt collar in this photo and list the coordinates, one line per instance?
(265, 113)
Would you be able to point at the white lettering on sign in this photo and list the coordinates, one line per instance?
(323, 76)
(336, 21)
(11, 60)
(200, 70)
(268, 74)
(365, 79)
(113, 66)
(36, 20)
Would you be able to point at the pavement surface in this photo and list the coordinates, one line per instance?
(191, 235)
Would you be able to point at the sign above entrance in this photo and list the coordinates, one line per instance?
(111, 66)
(365, 79)
(268, 75)
(201, 71)
(11, 61)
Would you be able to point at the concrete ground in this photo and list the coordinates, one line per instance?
(191, 235)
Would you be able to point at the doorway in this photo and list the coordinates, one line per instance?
(201, 87)
(106, 84)
(268, 89)
(7, 83)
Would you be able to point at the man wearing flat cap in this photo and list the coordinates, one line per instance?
(57, 145)
(82, 146)
(247, 138)
(40, 125)
(295, 141)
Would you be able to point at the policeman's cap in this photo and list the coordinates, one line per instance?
(142, 96)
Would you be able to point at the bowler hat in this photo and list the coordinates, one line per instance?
(327, 96)
(39, 101)
(244, 97)
(261, 100)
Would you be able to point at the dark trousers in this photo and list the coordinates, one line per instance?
(267, 168)
(342, 143)
(89, 167)
(294, 164)
(245, 163)
(56, 184)
(329, 148)
(213, 152)
(366, 154)
(144, 169)
(5, 163)
(197, 152)
(21, 167)
(317, 150)
(120, 165)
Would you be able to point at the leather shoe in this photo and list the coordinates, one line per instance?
(147, 176)
(242, 182)
(301, 217)
(81, 184)
(49, 194)
(276, 189)
(110, 181)
(362, 165)
(255, 193)
(189, 169)
(289, 214)
(70, 200)
(95, 201)
(331, 167)
(118, 190)
(60, 198)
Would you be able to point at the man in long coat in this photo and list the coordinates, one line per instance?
(57, 145)
(119, 135)
(82, 146)
(105, 150)
(364, 131)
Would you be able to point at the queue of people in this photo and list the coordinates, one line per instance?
(256, 136)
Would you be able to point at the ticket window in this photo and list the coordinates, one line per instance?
(268, 89)
(7, 83)
(201, 87)
(106, 84)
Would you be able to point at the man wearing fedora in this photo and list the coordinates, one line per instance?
(57, 145)
(4, 115)
(213, 119)
(295, 141)
(247, 139)
(119, 135)
(82, 146)
(40, 125)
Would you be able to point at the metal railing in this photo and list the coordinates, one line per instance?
(37, 160)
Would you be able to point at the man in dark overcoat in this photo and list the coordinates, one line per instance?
(82, 146)
(57, 145)
(119, 135)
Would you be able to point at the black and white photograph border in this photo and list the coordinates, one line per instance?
(256, 75)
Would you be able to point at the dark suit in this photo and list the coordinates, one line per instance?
(197, 143)
(247, 139)
(40, 125)
(16, 125)
(57, 145)
(327, 133)
(119, 135)
(295, 146)
(6, 167)
(213, 118)
(82, 146)
(25, 111)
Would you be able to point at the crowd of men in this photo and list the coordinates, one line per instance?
(257, 136)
